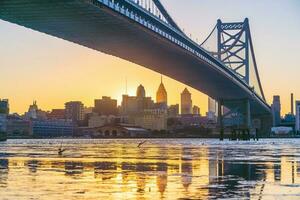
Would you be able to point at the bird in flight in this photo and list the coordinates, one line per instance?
(141, 143)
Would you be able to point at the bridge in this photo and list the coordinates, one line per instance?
(142, 31)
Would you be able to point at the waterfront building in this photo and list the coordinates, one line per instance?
(173, 110)
(297, 116)
(56, 114)
(105, 106)
(161, 94)
(276, 110)
(196, 110)
(18, 127)
(186, 102)
(96, 120)
(113, 131)
(3, 122)
(52, 128)
(74, 110)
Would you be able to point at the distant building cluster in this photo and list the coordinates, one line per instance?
(137, 115)
(290, 123)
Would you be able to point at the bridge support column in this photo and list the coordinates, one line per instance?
(220, 119)
(248, 114)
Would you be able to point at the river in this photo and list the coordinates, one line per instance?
(158, 169)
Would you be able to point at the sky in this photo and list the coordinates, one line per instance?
(35, 66)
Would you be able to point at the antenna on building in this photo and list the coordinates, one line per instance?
(126, 92)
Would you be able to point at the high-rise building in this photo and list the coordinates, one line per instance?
(196, 110)
(212, 105)
(136, 104)
(106, 106)
(173, 110)
(186, 102)
(4, 106)
(4, 111)
(74, 111)
(161, 94)
(292, 104)
(140, 92)
(297, 116)
(276, 110)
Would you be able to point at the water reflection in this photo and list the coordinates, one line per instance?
(177, 170)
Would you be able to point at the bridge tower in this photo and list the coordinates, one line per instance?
(235, 50)
(233, 47)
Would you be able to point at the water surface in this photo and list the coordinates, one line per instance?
(160, 169)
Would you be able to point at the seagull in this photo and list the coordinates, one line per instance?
(60, 151)
(141, 143)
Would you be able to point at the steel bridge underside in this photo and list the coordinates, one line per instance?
(97, 27)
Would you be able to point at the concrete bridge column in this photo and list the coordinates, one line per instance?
(220, 119)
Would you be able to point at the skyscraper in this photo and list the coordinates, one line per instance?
(136, 104)
(186, 102)
(74, 110)
(140, 92)
(276, 110)
(161, 94)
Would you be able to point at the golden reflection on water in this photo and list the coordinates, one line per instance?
(159, 170)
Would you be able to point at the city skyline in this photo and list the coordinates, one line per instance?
(23, 79)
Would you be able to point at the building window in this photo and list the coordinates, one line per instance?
(114, 133)
(106, 133)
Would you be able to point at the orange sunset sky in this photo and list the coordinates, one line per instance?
(35, 66)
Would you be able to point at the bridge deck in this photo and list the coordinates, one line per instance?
(97, 27)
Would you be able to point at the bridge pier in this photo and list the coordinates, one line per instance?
(220, 119)
(238, 118)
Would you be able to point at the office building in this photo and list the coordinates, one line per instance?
(4, 106)
(56, 114)
(212, 105)
(4, 111)
(106, 106)
(196, 110)
(152, 119)
(297, 116)
(161, 94)
(140, 92)
(186, 102)
(132, 105)
(276, 110)
(96, 120)
(74, 110)
(52, 128)
(173, 110)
